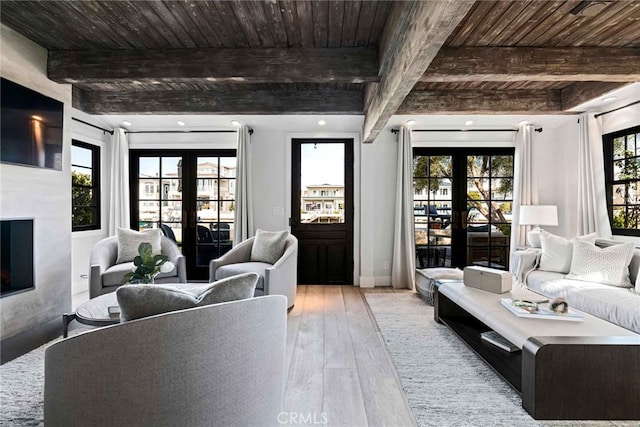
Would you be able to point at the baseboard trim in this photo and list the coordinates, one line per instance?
(367, 281)
(22, 343)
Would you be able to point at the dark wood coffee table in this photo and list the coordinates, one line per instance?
(94, 312)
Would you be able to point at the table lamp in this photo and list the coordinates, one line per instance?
(537, 215)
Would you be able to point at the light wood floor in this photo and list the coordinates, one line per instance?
(339, 370)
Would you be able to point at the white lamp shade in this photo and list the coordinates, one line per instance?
(538, 215)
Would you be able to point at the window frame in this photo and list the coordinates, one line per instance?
(95, 187)
(608, 148)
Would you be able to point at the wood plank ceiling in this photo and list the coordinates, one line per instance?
(334, 57)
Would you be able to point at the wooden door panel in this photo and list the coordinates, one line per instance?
(307, 256)
(336, 263)
(325, 250)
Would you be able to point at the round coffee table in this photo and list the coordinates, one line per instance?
(94, 312)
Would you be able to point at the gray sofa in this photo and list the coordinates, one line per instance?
(280, 278)
(620, 306)
(105, 275)
(221, 364)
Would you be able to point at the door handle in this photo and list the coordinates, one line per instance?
(292, 222)
(463, 219)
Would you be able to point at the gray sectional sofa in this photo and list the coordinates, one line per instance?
(620, 306)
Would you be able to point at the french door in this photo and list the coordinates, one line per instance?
(322, 209)
(462, 206)
(190, 195)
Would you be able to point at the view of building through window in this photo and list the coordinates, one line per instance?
(322, 183)
(160, 184)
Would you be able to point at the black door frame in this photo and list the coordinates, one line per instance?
(189, 196)
(459, 191)
(294, 221)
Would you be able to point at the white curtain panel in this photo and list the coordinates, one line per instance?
(119, 188)
(592, 200)
(243, 213)
(404, 254)
(524, 190)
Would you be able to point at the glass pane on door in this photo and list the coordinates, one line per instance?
(432, 203)
(160, 194)
(322, 183)
(489, 208)
(215, 205)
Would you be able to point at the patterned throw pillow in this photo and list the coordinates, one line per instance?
(609, 266)
(557, 251)
(268, 246)
(129, 241)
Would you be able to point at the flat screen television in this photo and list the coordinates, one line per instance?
(31, 127)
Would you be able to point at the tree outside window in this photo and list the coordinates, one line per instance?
(85, 186)
(622, 176)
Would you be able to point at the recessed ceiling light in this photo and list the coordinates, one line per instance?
(523, 122)
(235, 123)
(322, 122)
(410, 122)
(180, 123)
(609, 98)
(468, 122)
(589, 7)
(126, 123)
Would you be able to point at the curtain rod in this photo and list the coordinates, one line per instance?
(187, 131)
(538, 129)
(616, 109)
(93, 126)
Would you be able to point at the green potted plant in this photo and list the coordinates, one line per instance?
(147, 266)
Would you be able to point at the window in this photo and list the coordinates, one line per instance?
(85, 186)
(622, 177)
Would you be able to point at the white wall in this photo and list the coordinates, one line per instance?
(42, 194)
(271, 176)
(555, 170)
(556, 167)
(83, 241)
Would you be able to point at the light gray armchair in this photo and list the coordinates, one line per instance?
(105, 275)
(280, 278)
(217, 365)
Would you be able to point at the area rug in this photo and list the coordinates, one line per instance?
(446, 384)
(22, 388)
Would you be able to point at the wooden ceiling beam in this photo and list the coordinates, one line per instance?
(507, 64)
(579, 93)
(272, 65)
(413, 34)
(230, 102)
(482, 102)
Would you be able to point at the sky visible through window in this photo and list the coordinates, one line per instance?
(322, 163)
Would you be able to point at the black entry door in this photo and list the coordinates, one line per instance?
(462, 206)
(322, 209)
(190, 195)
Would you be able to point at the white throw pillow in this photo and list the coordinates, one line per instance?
(557, 251)
(268, 246)
(129, 241)
(609, 266)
